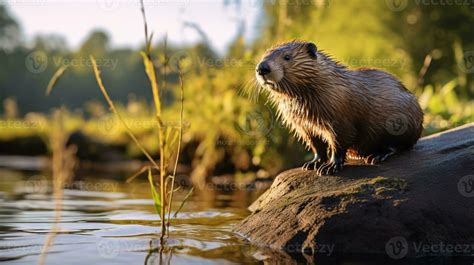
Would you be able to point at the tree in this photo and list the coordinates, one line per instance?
(50, 43)
(10, 34)
(96, 44)
(438, 29)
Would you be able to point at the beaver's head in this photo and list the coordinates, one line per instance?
(286, 66)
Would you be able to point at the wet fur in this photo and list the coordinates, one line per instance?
(322, 100)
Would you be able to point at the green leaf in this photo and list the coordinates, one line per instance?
(154, 193)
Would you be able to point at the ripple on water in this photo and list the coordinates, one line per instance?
(114, 227)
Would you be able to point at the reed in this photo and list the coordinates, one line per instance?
(169, 138)
(63, 163)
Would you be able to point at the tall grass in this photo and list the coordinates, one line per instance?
(164, 197)
(151, 73)
(63, 163)
(169, 139)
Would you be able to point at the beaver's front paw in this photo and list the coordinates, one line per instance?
(314, 164)
(330, 167)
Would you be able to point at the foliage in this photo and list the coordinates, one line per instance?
(224, 130)
(443, 107)
(9, 30)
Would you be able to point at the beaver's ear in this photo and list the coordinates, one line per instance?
(312, 49)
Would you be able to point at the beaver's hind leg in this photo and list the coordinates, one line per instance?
(320, 150)
(380, 156)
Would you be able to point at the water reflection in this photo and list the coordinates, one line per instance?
(110, 221)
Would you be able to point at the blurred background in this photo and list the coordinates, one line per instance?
(229, 131)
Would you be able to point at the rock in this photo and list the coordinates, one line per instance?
(417, 203)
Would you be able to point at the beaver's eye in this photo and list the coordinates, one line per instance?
(287, 57)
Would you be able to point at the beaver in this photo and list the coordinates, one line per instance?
(339, 112)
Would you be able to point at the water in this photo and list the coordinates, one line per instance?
(108, 221)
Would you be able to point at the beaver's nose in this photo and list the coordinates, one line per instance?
(263, 68)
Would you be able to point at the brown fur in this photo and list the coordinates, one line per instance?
(333, 107)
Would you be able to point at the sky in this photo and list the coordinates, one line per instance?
(75, 19)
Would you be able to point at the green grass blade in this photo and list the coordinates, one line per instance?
(154, 193)
(150, 72)
(115, 111)
(183, 202)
